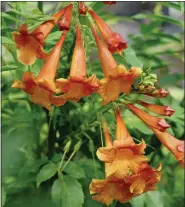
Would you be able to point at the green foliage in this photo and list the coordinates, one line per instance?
(49, 159)
(46, 173)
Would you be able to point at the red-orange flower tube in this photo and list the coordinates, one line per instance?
(158, 93)
(64, 23)
(157, 123)
(174, 145)
(30, 44)
(77, 85)
(114, 40)
(123, 156)
(42, 87)
(117, 78)
(82, 8)
(161, 110)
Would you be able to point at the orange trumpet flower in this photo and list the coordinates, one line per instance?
(174, 145)
(42, 87)
(114, 40)
(77, 85)
(30, 44)
(64, 23)
(123, 190)
(161, 110)
(117, 78)
(82, 8)
(157, 123)
(123, 156)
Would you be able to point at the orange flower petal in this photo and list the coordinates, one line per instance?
(108, 190)
(28, 83)
(148, 119)
(42, 97)
(121, 82)
(162, 110)
(57, 100)
(27, 53)
(145, 180)
(106, 154)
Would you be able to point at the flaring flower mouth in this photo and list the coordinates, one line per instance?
(119, 82)
(42, 87)
(38, 94)
(77, 85)
(161, 110)
(114, 41)
(157, 123)
(30, 44)
(122, 156)
(123, 190)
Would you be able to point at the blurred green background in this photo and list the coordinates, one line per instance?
(33, 140)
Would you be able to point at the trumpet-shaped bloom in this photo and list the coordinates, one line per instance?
(114, 40)
(30, 44)
(123, 156)
(157, 123)
(174, 145)
(162, 110)
(42, 87)
(124, 189)
(117, 78)
(64, 23)
(77, 85)
(110, 189)
(82, 8)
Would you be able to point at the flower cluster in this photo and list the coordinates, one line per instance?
(45, 89)
(127, 173)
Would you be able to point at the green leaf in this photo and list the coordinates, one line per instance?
(162, 18)
(9, 67)
(182, 6)
(46, 173)
(75, 170)
(72, 194)
(3, 196)
(131, 58)
(171, 5)
(56, 191)
(6, 40)
(10, 17)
